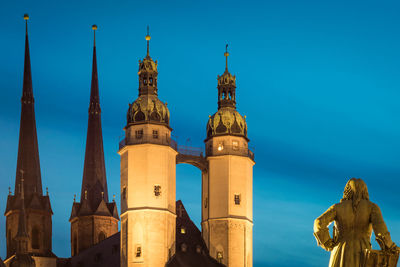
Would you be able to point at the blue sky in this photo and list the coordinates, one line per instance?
(318, 81)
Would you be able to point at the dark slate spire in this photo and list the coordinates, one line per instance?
(94, 183)
(28, 152)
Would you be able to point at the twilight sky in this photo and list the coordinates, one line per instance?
(318, 80)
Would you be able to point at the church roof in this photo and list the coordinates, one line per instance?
(104, 254)
(191, 250)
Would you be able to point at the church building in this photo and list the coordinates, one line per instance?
(156, 230)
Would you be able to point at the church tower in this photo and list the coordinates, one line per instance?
(228, 203)
(148, 159)
(94, 218)
(28, 202)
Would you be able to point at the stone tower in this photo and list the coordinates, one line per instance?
(36, 206)
(94, 218)
(148, 159)
(228, 199)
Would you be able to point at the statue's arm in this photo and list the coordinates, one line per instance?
(321, 230)
(380, 229)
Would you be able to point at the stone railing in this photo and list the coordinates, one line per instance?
(191, 151)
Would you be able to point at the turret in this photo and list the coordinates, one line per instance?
(228, 199)
(148, 159)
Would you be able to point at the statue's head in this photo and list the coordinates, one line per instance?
(355, 190)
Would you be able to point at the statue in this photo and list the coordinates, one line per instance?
(355, 217)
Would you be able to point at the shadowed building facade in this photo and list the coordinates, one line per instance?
(94, 218)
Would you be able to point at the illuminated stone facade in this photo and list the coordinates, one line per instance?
(148, 163)
(153, 233)
(227, 223)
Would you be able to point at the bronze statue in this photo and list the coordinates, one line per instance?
(355, 217)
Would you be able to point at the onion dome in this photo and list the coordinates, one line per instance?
(227, 120)
(147, 108)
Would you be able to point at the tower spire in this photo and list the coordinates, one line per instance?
(94, 193)
(94, 173)
(28, 182)
(28, 152)
(148, 37)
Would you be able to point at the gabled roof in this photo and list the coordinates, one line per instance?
(104, 254)
(191, 250)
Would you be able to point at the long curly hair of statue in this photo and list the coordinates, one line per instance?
(355, 190)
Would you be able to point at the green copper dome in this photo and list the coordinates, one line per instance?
(226, 121)
(148, 109)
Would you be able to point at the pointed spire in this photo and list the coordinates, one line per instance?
(28, 152)
(226, 54)
(27, 94)
(148, 37)
(94, 180)
(22, 236)
(94, 91)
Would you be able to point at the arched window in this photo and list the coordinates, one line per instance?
(35, 238)
(102, 236)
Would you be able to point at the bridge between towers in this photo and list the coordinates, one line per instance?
(193, 156)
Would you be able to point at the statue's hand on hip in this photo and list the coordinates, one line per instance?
(329, 245)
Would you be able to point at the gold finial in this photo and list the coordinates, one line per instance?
(74, 198)
(94, 28)
(114, 198)
(102, 194)
(47, 191)
(26, 18)
(148, 37)
(226, 54)
(85, 194)
(9, 191)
